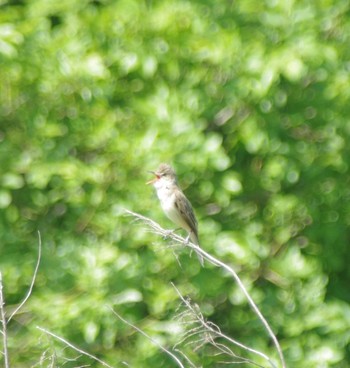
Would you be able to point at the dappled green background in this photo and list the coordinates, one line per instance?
(249, 100)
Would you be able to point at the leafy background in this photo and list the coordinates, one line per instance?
(249, 100)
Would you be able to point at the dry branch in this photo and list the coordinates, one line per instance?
(208, 333)
(4, 325)
(32, 283)
(157, 229)
(4, 321)
(74, 347)
(173, 356)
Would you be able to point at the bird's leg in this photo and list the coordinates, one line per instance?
(187, 240)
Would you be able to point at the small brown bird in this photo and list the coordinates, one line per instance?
(174, 203)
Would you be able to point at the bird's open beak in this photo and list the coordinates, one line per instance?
(153, 180)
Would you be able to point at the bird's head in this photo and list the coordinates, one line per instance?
(163, 175)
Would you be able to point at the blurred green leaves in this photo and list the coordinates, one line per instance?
(248, 100)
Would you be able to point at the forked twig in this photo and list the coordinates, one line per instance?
(210, 332)
(157, 229)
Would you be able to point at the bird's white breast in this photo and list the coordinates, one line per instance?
(167, 197)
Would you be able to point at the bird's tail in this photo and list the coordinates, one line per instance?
(194, 239)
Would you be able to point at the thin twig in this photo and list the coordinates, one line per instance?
(160, 231)
(4, 325)
(74, 347)
(173, 356)
(185, 357)
(212, 331)
(32, 283)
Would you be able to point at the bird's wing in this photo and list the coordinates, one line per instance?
(185, 208)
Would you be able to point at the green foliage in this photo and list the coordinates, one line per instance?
(248, 100)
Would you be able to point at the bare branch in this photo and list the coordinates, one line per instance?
(186, 357)
(173, 356)
(74, 347)
(211, 331)
(4, 325)
(157, 229)
(32, 283)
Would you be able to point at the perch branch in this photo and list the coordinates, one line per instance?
(157, 229)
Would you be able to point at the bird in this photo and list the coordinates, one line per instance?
(175, 204)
